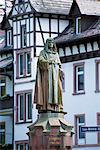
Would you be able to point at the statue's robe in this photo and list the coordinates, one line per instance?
(48, 88)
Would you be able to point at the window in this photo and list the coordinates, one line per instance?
(24, 105)
(2, 86)
(2, 133)
(97, 75)
(79, 122)
(98, 123)
(9, 38)
(23, 36)
(79, 78)
(63, 81)
(22, 145)
(29, 106)
(21, 107)
(23, 64)
(28, 69)
(78, 25)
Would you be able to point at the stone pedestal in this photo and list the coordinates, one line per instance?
(50, 132)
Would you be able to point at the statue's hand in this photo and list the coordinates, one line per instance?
(51, 61)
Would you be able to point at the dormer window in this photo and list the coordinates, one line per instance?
(9, 38)
(78, 25)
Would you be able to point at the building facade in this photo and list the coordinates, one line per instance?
(31, 23)
(79, 49)
(6, 82)
(28, 25)
(6, 94)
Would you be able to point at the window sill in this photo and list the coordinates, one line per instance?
(97, 91)
(24, 122)
(23, 77)
(78, 93)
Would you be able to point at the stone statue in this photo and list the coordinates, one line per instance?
(48, 88)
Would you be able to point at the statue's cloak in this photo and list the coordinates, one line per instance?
(48, 87)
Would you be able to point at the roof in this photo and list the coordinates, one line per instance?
(52, 6)
(6, 62)
(2, 8)
(69, 36)
(2, 39)
(4, 48)
(89, 7)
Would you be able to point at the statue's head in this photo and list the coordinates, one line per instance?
(50, 45)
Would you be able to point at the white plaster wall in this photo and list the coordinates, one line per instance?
(54, 25)
(9, 86)
(15, 42)
(89, 47)
(28, 8)
(67, 51)
(14, 12)
(88, 103)
(63, 24)
(95, 46)
(82, 48)
(61, 52)
(24, 84)
(31, 24)
(31, 39)
(20, 130)
(8, 129)
(75, 50)
(14, 28)
(33, 69)
(18, 25)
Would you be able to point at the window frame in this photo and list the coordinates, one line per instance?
(4, 131)
(25, 74)
(75, 78)
(97, 74)
(19, 110)
(24, 143)
(77, 129)
(28, 74)
(19, 64)
(98, 123)
(25, 109)
(2, 85)
(78, 25)
(23, 36)
(28, 109)
(9, 38)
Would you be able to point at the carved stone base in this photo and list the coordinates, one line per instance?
(50, 132)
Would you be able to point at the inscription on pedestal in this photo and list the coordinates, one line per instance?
(54, 140)
(54, 137)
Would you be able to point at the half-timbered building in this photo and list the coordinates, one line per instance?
(79, 49)
(6, 94)
(6, 81)
(31, 23)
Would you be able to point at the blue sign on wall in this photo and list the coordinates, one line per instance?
(90, 129)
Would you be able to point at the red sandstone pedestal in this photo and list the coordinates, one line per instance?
(50, 132)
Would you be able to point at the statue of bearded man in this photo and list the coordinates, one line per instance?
(48, 88)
